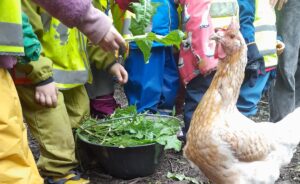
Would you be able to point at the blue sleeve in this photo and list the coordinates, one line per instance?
(247, 16)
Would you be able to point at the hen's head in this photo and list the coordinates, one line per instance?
(228, 41)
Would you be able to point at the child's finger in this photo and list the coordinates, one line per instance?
(120, 41)
(125, 76)
(42, 100)
(48, 100)
(37, 97)
(281, 3)
(119, 77)
(114, 46)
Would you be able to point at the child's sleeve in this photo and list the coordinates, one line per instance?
(38, 72)
(255, 61)
(247, 16)
(32, 45)
(35, 20)
(102, 60)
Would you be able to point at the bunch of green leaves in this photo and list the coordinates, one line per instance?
(144, 11)
(128, 128)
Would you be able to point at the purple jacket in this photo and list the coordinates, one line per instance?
(73, 13)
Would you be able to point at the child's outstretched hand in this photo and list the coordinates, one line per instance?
(280, 3)
(46, 95)
(119, 72)
(112, 40)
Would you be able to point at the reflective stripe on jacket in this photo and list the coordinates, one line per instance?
(11, 34)
(265, 32)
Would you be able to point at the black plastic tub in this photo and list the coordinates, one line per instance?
(126, 163)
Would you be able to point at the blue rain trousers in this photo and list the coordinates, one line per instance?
(152, 86)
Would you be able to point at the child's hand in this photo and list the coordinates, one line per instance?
(280, 3)
(280, 47)
(119, 71)
(46, 95)
(112, 40)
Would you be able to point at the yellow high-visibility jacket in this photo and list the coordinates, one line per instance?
(65, 47)
(11, 33)
(265, 32)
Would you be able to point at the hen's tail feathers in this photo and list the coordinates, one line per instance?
(289, 128)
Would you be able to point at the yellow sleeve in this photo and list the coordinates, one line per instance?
(102, 60)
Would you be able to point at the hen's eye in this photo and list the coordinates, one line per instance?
(232, 36)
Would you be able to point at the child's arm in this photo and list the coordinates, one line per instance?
(31, 11)
(46, 94)
(40, 74)
(90, 21)
(247, 16)
(107, 61)
(255, 59)
(119, 72)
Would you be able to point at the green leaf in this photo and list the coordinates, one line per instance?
(145, 46)
(132, 131)
(170, 142)
(139, 135)
(144, 42)
(173, 38)
(144, 11)
(166, 131)
(181, 177)
(178, 177)
(121, 112)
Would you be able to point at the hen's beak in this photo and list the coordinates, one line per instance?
(215, 37)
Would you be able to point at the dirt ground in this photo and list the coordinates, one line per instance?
(174, 162)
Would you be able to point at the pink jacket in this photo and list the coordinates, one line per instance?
(197, 51)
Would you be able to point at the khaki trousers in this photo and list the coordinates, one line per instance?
(52, 127)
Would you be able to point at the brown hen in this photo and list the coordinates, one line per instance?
(226, 146)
